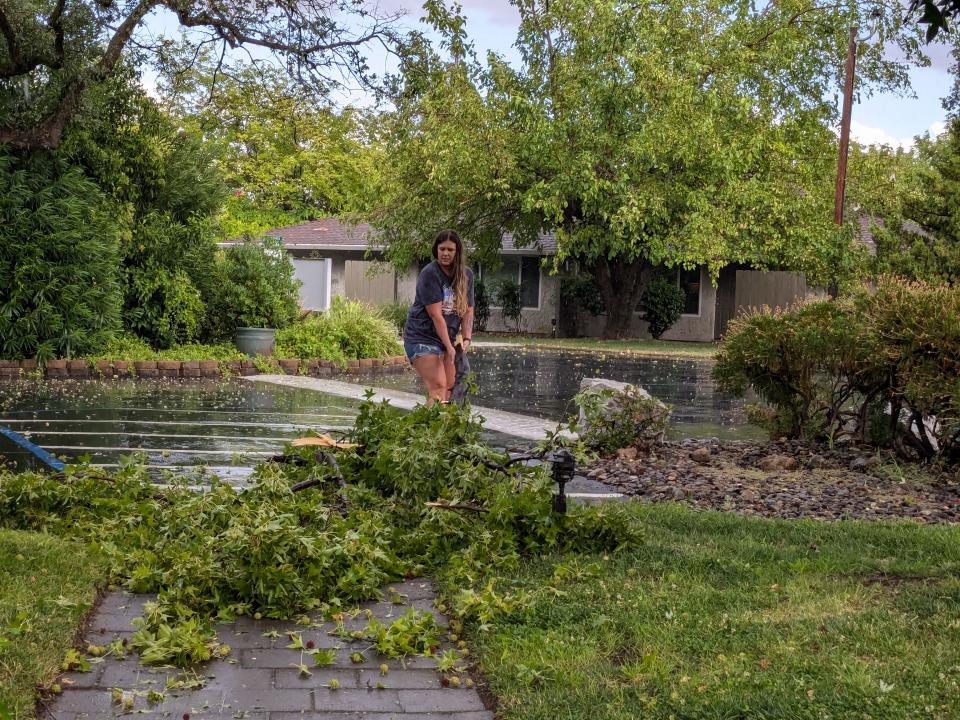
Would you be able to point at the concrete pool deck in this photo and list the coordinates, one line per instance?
(521, 426)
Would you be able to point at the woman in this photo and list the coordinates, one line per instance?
(442, 308)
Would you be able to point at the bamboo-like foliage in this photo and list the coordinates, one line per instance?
(59, 285)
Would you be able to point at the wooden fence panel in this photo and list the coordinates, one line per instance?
(360, 284)
(775, 289)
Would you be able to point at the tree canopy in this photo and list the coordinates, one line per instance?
(935, 14)
(52, 52)
(287, 155)
(907, 201)
(679, 133)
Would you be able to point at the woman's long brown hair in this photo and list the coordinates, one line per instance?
(459, 269)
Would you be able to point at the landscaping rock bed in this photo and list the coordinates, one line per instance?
(783, 480)
(84, 369)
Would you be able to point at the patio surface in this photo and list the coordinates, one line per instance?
(260, 679)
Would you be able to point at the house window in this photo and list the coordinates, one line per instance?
(522, 270)
(690, 284)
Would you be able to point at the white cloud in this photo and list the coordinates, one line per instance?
(867, 135)
(937, 129)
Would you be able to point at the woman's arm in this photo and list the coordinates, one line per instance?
(467, 328)
(440, 325)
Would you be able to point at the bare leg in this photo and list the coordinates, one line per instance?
(450, 377)
(431, 369)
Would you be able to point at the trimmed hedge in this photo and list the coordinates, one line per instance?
(881, 365)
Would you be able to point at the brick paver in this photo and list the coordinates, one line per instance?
(260, 679)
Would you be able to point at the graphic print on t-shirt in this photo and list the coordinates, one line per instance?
(447, 305)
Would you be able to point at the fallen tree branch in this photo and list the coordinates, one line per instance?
(457, 506)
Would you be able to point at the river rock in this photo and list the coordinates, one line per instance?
(817, 461)
(616, 390)
(627, 453)
(864, 462)
(774, 463)
(701, 455)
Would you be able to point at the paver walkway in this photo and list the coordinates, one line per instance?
(260, 679)
(522, 426)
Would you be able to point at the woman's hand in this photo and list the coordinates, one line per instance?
(451, 354)
(465, 345)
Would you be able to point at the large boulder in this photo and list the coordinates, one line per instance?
(618, 414)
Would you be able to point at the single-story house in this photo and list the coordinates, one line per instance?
(334, 258)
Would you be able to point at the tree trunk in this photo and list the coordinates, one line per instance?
(621, 285)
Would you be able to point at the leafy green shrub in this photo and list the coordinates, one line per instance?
(166, 185)
(349, 330)
(310, 338)
(259, 288)
(168, 269)
(610, 420)
(506, 294)
(132, 348)
(481, 305)
(163, 307)
(792, 360)
(395, 312)
(662, 304)
(59, 281)
(580, 291)
(828, 368)
(219, 553)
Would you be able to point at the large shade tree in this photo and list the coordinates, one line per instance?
(288, 155)
(53, 52)
(682, 132)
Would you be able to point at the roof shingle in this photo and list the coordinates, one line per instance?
(333, 234)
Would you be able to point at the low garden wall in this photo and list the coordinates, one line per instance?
(85, 369)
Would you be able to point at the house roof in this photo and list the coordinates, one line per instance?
(334, 234)
(326, 234)
(865, 234)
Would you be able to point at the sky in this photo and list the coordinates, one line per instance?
(881, 119)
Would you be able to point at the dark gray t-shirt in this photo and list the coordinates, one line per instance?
(433, 286)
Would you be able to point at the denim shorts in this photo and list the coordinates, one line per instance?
(416, 349)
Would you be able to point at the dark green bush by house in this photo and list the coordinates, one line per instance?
(879, 365)
(506, 293)
(481, 305)
(59, 281)
(578, 291)
(662, 304)
(258, 288)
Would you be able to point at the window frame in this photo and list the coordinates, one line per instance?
(520, 258)
(699, 312)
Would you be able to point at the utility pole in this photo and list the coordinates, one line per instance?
(845, 128)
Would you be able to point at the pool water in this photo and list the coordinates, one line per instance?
(228, 426)
(544, 382)
(224, 426)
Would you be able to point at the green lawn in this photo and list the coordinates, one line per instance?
(46, 586)
(633, 347)
(724, 617)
